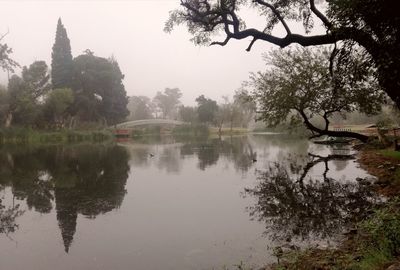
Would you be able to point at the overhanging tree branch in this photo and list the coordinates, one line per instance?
(321, 132)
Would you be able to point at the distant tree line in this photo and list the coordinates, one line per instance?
(84, 89)
(236, 113)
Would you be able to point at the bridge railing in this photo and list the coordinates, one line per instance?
(143, 122)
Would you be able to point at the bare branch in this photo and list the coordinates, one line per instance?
(222, 43)
(277, 14)
(319, 14)
(251, 44)
(5, 34)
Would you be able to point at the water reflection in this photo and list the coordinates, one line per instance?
(183, 207)
(8, 216)
(173, 150)
(87, 180)
(297, 205)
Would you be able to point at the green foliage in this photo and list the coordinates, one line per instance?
(206, 109)
(56, 105)
(61, 64)
(17, 135)
(25, 92)
(369, 26)
(391, 153)
(22, 105)
(300, 81)
(375, 245)
(37, 79)
(378, 20)
(382, 243)
(6, 63)
(98, 89)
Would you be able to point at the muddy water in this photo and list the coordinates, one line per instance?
(172, 203)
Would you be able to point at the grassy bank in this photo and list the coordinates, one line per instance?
(188, 130)
(30, 136)
(228, 131)
(373, 244)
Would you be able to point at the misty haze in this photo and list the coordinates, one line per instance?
(199, 134)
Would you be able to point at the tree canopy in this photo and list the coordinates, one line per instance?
(369, 24)
(61, 58)
(140, 107)
(99, 91)
(168, 101)
(206, 109)
(300, 81)
(25, 92)
(57, 104)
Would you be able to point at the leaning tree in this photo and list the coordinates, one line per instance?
(370, 24)
(299, 83)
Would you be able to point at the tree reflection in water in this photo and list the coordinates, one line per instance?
(297, 207)
(88, 180)
(8, 216)
(237, 150)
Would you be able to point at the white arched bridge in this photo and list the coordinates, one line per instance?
(146, 122)
(123, 130)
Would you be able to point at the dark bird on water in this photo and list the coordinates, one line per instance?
(151, 155)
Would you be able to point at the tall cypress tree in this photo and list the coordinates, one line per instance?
(61, 63)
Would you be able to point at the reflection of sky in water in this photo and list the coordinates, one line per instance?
(169, 204)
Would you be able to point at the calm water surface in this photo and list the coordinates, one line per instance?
(172, 203)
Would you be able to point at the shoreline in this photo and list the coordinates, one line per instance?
(357, 250)
(18, 136)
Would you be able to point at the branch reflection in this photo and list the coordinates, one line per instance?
(298, 206)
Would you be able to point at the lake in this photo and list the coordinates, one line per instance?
(173, 203)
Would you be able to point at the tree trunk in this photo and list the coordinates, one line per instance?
(332, 133)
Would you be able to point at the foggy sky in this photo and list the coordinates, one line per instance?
(132, 31)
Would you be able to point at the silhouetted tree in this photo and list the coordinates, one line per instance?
(371, 24)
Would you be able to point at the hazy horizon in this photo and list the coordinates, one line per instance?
(132, 32)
